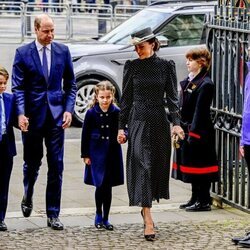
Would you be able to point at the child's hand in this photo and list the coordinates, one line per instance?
(23, 123)
(121, 137)
(87, 161)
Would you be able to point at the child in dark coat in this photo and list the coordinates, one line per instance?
(101, 152)
(7, 143)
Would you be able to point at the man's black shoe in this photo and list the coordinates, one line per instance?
(188, 204)
(244, 243)
(26, 207)
(236, 240)
(3, 226)
(55, 223)
(198, 207)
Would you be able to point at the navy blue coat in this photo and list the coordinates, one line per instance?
(10, 116)
(99, 143)
(196, 159)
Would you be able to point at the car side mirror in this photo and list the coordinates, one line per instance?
(163, 41)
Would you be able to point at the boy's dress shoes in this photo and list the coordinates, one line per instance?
(188, 204)
(244, 243)
(55, 223)
(3, 226)
(26, 207)
(236, 240)
(198, 207)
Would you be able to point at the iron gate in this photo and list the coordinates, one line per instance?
(228, 41)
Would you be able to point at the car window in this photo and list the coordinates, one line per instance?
(184, 30)
(143, 19)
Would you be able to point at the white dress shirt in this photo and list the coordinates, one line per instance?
(3, 124)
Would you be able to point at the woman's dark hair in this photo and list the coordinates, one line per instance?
(156, 42)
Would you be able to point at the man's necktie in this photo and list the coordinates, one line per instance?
(45, 65)
(1, 110)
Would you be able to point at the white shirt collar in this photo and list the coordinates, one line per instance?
(40, 46)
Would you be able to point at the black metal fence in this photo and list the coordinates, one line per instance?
(228, 40)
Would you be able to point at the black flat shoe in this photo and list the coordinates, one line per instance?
(188, 204)
(198, 207)
(55, 223)
(236, 240)
(3, 226)
(108, 226)
(98, 221)
(26, 207)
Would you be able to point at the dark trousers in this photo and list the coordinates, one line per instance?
(6, 164)
(103, 198)
(33, 154)
(201, 192)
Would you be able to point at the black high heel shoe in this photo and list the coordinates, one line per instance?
(148, 237)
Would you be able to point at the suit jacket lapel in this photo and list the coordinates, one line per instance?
(36, 58)
(52, 62)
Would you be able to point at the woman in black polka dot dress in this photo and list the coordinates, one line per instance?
(149, 83)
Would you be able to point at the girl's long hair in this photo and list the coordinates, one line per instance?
(103, 85)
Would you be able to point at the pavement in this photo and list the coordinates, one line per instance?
(175, 228)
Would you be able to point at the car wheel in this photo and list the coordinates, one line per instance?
(84, 96)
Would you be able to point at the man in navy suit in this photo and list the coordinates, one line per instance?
(43, 83)
(7, 144)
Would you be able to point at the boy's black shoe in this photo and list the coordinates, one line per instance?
(3, 226)
(236, 240)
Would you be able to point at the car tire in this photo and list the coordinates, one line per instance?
(84, 96)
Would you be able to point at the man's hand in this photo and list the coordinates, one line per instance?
(23, 123)
(67, 119)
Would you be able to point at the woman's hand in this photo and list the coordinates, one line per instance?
(121, 137)
(177, 130)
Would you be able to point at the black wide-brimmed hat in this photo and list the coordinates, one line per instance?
(142, 36)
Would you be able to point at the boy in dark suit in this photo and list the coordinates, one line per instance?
(7, 144)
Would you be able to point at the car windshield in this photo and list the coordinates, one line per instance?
(143, 19)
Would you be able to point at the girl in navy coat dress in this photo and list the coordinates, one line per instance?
(101, 152)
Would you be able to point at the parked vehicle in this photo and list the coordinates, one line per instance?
(180, 25)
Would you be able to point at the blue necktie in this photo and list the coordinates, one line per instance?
(1, 110)
(45, 65)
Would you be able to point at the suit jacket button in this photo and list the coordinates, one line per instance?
(102, 126)
(101, 115)
(107, 137)
(107, 126)
(103, 137)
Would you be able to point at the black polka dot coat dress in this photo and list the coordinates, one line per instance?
(148, 86)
